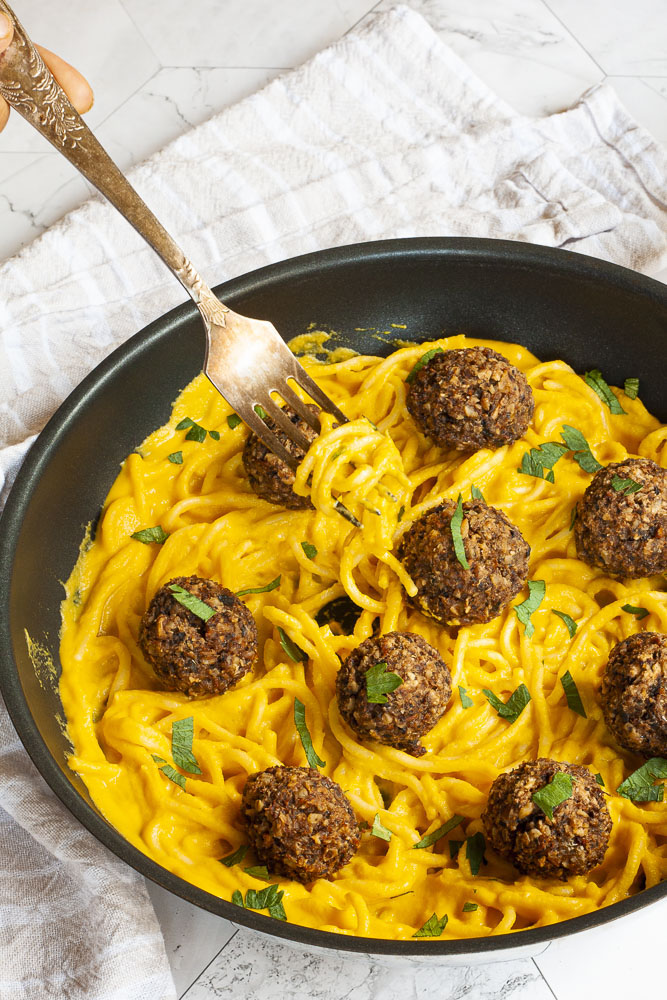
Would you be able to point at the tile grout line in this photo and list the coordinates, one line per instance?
(139, 31)
(128, 98)
(209, 964)
(574, 37)
(360, 19)
(544, 979)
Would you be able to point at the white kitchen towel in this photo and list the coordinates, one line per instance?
(384, 134)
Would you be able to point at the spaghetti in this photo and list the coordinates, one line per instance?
(389, 475)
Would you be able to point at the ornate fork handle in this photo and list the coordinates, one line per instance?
(29, 87)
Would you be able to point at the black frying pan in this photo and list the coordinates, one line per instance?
(558, 304)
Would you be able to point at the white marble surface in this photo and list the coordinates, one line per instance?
(155, 73)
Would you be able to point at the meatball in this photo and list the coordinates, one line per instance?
(299, 822)
(413, 708)
(571, 843)
(624, 533)
(496, 552)
(270, 477)
(634, 693)
(192, 655)
(471, 398)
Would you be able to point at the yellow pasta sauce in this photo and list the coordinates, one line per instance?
(388, 474)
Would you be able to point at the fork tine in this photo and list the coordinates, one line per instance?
(297, 404)
(303, 379)
(277, 414)
(268, 437)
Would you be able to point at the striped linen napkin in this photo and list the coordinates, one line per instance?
(384, 134)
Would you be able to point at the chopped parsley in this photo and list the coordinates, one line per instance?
(176, 458)
(469, 907)
(573, 518)
(466, 700)
(293, 651)
(556, 791)
(537, 460)
(513, 707)
(169, 771)
(269, 899)
(639, 613)
(572, 694)
(569, 622)
(258, 871)
(432, 838)
(378, 830)
(580, 448)
(260, 411)
(380, 682)
(148, 535)
(309, 549)
(631, 388)
(594, 379)
(599, 779)
(304, 735)
(625, 486)
(454, 848)
(476, 493)
(182, 734)
(260, 590)
(192, 603)
(235, 858)
(401, 512)
(196, 432)
(233, 420)
(424, 360)
(433, 927)
(640, 787)
(523, 611)
(455, 528)
(475, 848)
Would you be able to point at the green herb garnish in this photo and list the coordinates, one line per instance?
(580, 448)
(169, 771)
(599, 779)
(569, 622)
(304, 735)
(535, 461)
(556, 791)
(625, 486)
(638, 612)
(237, 898)
(378, 830)
(573, 518)
(259, 871)
(475, 848)
(309, 549)
(433, 927)
(401, 512)
(263, 899)
(380, 682)
(192, 603)
(401, 894)
(523, 611)
(572, 694)
(455, 528)
(236, 857)
(260, 590)
(631, 388)
(293, 651)
(424, 360)
(466, 700)
(148, 535)
(476, 493)
(454, 848)
(233, 420)
(640, 787)
(513, 707)
(196, 432)
(469, 907)
(432, 838)
(260, 411)
(598, 385)
(182, 734)
(176, 458)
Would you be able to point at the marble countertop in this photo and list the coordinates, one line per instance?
(156, 73)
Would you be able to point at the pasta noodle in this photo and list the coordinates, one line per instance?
(388, 474)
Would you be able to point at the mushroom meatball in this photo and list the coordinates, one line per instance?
(624, 532)
(634, 693)
(496, 552)
(270, 477)
(571, 843)
(471, 398)
(192, 655)
(413, 708)
(299, 822)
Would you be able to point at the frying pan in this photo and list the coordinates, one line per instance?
(557, 303)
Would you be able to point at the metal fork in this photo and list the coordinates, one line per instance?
(247, 360)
